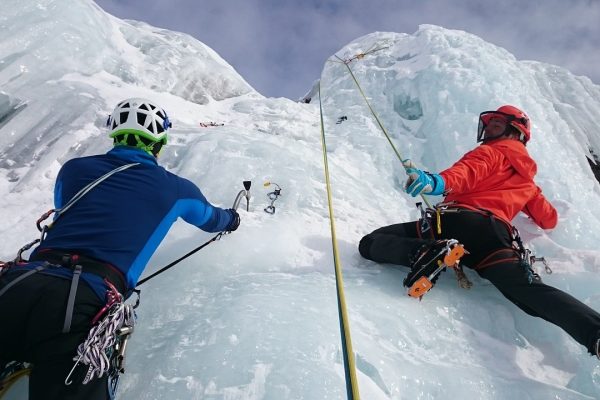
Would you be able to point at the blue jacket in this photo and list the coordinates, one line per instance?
(123, 219)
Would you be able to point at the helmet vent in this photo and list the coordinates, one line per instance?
(141, 118)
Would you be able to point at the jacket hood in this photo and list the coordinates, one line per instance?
(516, 153)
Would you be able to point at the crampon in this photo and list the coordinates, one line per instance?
(430, 263)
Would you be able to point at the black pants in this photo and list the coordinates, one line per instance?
(32, 314)
(488, 242)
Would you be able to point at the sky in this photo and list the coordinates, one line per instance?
(279, 46)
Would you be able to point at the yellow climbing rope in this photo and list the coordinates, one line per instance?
(348, 354)
(379, 123)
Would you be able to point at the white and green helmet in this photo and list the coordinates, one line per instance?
(140, 123)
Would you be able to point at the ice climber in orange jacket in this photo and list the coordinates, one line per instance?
(483, 192)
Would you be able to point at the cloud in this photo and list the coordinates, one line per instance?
(279, 47)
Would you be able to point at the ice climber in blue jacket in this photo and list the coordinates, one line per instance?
(98, 246)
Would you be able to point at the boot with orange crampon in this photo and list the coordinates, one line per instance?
(429, 262)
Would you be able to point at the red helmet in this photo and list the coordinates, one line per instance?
(512, 116)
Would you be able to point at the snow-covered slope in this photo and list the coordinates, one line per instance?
(254, 315)
(54, 54)
(428, 89)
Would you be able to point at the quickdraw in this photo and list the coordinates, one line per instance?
(528, 259)
(274, 195)
(533, 259)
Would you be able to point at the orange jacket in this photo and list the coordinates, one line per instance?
(498, 176)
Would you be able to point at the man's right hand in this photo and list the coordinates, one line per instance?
(235, 220)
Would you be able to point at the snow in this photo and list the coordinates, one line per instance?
(254, 315)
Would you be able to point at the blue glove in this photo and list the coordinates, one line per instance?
(422, 182)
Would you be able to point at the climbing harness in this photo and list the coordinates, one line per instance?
(103, 350)
(347, 353)
(274, 195)
(72, 263)
(513, 246)
(76, 263)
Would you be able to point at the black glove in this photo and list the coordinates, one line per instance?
(235, 220)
